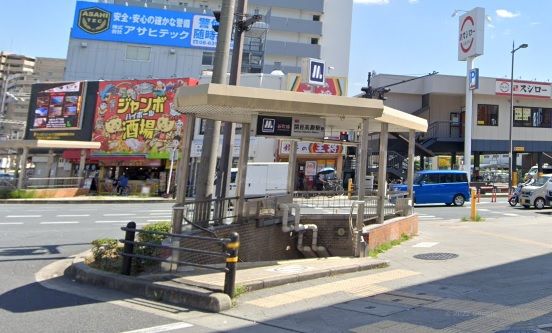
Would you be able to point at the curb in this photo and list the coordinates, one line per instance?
(188, 296)
(300, 277)
(61, 201)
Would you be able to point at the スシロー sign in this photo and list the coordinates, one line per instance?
(313, 71)
(140, 25)
(524, 88)
(471, 33)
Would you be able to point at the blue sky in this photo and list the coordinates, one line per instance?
(388, 36)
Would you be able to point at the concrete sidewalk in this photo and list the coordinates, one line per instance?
(88, 199)
(202, 289)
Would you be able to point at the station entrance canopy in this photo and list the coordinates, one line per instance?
(242, 104)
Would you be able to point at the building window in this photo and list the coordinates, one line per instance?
(139, 53)
(314, 41)
(487, 115)
(208, 58)
(532, 117)
(316, 18)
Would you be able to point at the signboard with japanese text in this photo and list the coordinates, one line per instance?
(61, 111)
(136, 117)
(471, 33)
(336, 86)
(273, 125)
(142, 25)
(308, 127)
(524, 88)
(306, 148)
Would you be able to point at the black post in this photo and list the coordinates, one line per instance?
(128, 248)
(231, 261)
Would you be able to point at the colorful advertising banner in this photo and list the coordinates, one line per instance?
(336, 86)
(136, 118)
(142, 25)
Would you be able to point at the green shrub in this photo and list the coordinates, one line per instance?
(5, 193)
(143, 264)
(386, 246)
(22, 194)
(106, 253)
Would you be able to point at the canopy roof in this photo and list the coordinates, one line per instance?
(241, 104)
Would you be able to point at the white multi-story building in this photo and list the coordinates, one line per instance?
(292, 30)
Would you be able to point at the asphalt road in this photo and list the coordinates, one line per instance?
(33, 236)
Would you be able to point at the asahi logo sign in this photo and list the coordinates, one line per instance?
(94, 20)
(471, 32)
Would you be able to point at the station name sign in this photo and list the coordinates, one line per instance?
(297, 127)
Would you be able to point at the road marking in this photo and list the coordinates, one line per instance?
(8, 223)
(161, 213)
(61, 222)
(119, 214)
(164, 220)
(24, 216)
(162, 328)
(484, 209)
(510, 214)
(83, 215)
(422, 215)
(110, 221)
(425, 244)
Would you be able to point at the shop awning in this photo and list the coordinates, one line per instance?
(241, 104)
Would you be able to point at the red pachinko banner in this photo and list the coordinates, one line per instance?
(137, 118)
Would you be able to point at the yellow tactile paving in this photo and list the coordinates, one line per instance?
(360, 286)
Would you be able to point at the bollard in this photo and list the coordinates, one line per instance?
(128, 248)
(473, 213)
(478, 195)
(493, 197)
(231, 262)
(350, 188)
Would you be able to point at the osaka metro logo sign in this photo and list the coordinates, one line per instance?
(94, 20)
(269, 125)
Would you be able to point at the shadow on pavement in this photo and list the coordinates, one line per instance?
(34, 297)
(514, 296)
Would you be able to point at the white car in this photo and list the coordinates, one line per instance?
(539, 194)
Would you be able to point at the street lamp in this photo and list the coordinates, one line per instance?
(510, 155)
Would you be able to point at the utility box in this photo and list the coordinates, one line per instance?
(268, 178)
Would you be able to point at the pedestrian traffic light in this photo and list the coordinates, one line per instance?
(216, 23)
(344, 136)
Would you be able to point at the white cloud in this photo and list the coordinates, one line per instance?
(372, 2)
(505, 13)
(413, 2)
(535, 23)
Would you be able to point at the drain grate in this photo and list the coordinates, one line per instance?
(436, 256)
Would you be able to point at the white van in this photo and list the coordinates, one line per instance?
(263, 178)
(546, 168)
(538, 194)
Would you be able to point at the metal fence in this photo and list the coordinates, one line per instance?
(209, 212)
(53, 182)
(229, 252)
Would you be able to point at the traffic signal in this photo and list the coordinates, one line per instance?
(368, 92)
(216, 23)
(382, 92)
(344, 136)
